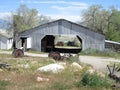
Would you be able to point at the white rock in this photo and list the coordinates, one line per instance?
(1, 70)
(55, 68)
(91, 70)
(76, 65)
(41, 79)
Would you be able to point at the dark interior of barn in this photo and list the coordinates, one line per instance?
(48, 45)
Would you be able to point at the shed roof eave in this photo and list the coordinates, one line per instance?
(112, 42)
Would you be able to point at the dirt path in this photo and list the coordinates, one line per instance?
(98, 63)
(26, 53)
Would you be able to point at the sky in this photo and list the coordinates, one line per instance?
(56, 9)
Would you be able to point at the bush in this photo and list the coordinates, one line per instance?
(93, 80)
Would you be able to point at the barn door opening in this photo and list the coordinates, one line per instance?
(24, 43)
(47, 43)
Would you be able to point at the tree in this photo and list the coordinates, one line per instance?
(95, 17)
(44, 19)
(25, 19)
(113, 32)
(104, 21)
(6, 24)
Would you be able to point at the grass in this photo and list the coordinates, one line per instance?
(20, 77)
(94, 80)
(105, 53)
(4, 84)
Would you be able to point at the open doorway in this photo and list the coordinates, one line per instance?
(63, 43)
(24, 43)
(47, 43)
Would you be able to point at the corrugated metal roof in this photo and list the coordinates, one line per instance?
(32, 29)
(113, 42)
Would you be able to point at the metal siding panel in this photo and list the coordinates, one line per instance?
(89, 38)
(3, 43)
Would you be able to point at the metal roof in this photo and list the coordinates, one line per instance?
(59, 20)
(113, 42)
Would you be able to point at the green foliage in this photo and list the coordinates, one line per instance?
(104, 21)
(93, 80)
(95, 17)
(3, 84)
(27, 18)
(113, 32)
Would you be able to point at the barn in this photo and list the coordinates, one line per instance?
(42, 38)
(5, 41)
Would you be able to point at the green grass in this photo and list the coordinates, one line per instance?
(4, 84)
(94, 80)
(105, 53)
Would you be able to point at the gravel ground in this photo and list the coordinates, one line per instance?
(26, 53)
(98, 63)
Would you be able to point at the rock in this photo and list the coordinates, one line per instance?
(1, 70)
(54, 68)
(41, 79)
(76, 66)
(91, 70)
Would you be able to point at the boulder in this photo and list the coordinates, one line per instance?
(1, 70)
(76, 66)
(54, 68)
(91, 70)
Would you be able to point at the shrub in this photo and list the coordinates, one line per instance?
(93, 80)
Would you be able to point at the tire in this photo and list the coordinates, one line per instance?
(18, 53)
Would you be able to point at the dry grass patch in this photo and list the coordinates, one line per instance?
(23, 73)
